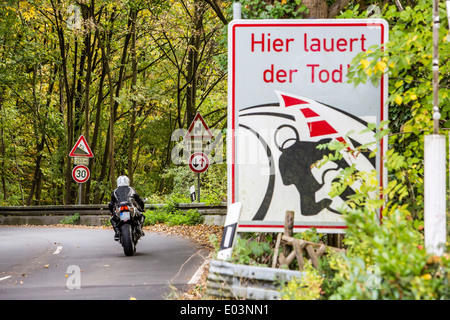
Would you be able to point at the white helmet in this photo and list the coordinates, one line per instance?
(123, 181)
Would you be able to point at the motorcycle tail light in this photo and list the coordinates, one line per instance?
(124, 208)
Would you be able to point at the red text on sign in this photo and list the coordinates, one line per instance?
(266, 44)
(272, 75)
(324, 75)
(330, 45)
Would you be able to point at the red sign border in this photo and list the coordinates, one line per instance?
(383, 107)
(89, 155)
(203, 156)
(198, 116)
(88, 173)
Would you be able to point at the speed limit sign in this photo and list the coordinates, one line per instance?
(80, 174)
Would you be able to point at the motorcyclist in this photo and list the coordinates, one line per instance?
(123, 193)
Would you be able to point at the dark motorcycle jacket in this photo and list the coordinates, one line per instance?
(125, 194)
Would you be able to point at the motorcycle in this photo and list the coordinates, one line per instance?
(130, 222)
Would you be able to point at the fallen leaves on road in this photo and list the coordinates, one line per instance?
(199, 233)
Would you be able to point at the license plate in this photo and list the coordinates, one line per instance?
(125, 215)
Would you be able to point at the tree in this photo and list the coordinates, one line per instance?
(125, 76)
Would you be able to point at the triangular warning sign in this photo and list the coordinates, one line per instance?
(81, 149)
(199, 129)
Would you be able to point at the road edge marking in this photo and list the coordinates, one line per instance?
(198, 274)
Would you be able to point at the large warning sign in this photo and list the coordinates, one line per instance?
(288, 93)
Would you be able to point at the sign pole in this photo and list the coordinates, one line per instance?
(198, 187)
(435, 197)
(79, 193)
(436, 24)
(434, 162)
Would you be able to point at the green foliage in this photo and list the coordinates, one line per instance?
(45, 92)
(407, 59)
(213, 187)
(387, 260)
(171, 215)
(309, 287)
(74, 219)
(259, 9)
(190, 217)
(251, 249)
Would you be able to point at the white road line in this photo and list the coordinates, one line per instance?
(198, 275)
(58, 250)
(4, 278)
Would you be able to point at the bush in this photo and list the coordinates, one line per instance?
(306, 288)
(387, 261)
(171, 218)
(75, 219)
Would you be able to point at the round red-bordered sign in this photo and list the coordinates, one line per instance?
(198, 162)
(81, 174)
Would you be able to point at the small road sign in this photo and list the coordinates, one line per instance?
(81, 149)
(80, 160)
(192, 191)
(81, 174)
(198, 162)
(198, 129)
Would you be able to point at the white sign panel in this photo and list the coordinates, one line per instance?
(288, 93)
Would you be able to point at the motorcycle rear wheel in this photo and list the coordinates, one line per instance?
(128, 245)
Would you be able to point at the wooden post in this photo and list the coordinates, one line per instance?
(288, 229)
(275, 253)
(297, 244)
(289, 223)
(312, 256)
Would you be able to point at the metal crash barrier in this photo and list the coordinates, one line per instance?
(228, 280)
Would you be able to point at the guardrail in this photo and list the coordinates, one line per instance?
(228, 280)
(94, 214)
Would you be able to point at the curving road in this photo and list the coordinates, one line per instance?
(85, 264)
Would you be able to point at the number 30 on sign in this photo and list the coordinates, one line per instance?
(80, 174)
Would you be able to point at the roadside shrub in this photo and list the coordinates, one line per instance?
(75, 219)
(309, 287)
(172, 218)
(387, 261)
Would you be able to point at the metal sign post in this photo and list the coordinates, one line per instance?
(198, 187)
(80, 174)
(198, 163)
(198, 134)
(81, 152)
(434, 162)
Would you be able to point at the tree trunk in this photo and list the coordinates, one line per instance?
(318, 9)
(37, 170)
(2, 152)
(68, 99)
(133, 17)
(192, 63)
(110, 138)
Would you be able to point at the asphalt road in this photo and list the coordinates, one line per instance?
(87, 264)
